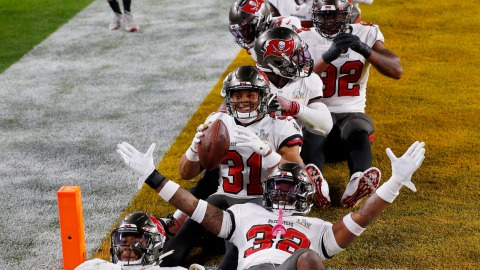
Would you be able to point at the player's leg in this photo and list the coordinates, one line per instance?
(205, 186)
(130, 24)
(302, 259)
(312, 149)
(117, 17)
(315, 151)
(357, 132)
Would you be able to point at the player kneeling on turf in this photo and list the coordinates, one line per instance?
(250, 227)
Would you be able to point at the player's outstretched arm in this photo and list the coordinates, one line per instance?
(353, 225)
(208, 215)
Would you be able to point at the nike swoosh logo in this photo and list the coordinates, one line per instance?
(289, 22)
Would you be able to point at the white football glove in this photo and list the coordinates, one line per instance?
(192, 152)
(404, 166)
(246, 138)
(141, 164)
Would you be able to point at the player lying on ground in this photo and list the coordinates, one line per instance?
(289, 190)
(135, 243)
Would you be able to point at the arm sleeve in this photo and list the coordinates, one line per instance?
(328, 245)
(316, 118)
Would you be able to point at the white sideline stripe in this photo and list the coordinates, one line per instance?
(66, 104)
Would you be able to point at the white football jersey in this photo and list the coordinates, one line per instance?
(256, 244)
(241, 172)
(283, 21)
(345, 79)
(301, 90)
(99, 264)
(290, 8)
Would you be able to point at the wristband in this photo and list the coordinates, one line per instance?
(155, 179)
(352, 226)
(272, 159)
(192, 156)
(389, 190)
(169, 190)
(199, 212)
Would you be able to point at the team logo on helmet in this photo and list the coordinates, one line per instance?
(279, 47)
(157, 224)
(264, 76)
(252, 6)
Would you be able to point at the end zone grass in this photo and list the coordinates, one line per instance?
(436, 101)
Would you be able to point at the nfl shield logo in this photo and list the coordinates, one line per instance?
(297, 8)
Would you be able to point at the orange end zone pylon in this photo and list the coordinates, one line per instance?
(71, 226)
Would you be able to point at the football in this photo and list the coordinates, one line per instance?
(214, 145)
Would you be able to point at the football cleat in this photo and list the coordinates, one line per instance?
(130, 24)
(115, 24)
(321, 198)
(360, 186)
(171, 225)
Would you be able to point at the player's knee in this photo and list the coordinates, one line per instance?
(309, 260)
(357, 124)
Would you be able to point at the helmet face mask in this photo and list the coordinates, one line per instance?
(331, 17)
(248, 18)
(283, 52)
(246, 90)
(288, 187)
(137, 240)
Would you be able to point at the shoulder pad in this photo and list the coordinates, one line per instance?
(314, 82)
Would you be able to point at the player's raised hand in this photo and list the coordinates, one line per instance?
(289, 108)
(273, 105)
(404, 166)
(347, 40)
(246, 138)
(141, 164)
(332, 53)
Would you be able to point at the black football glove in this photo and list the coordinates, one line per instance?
(346, 40)
(331, 54)
(273, 104)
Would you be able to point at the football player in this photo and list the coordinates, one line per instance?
(302, 10)
(135, 243)
(130, 24)
(278, 234)
(286, 61)
(249, 18)
(259, 142)
(343, 54)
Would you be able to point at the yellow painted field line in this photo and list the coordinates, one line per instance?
(149, 201)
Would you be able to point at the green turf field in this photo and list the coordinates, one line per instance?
(25, 23)
(436, 101)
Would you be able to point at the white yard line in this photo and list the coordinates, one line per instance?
(66, 104)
